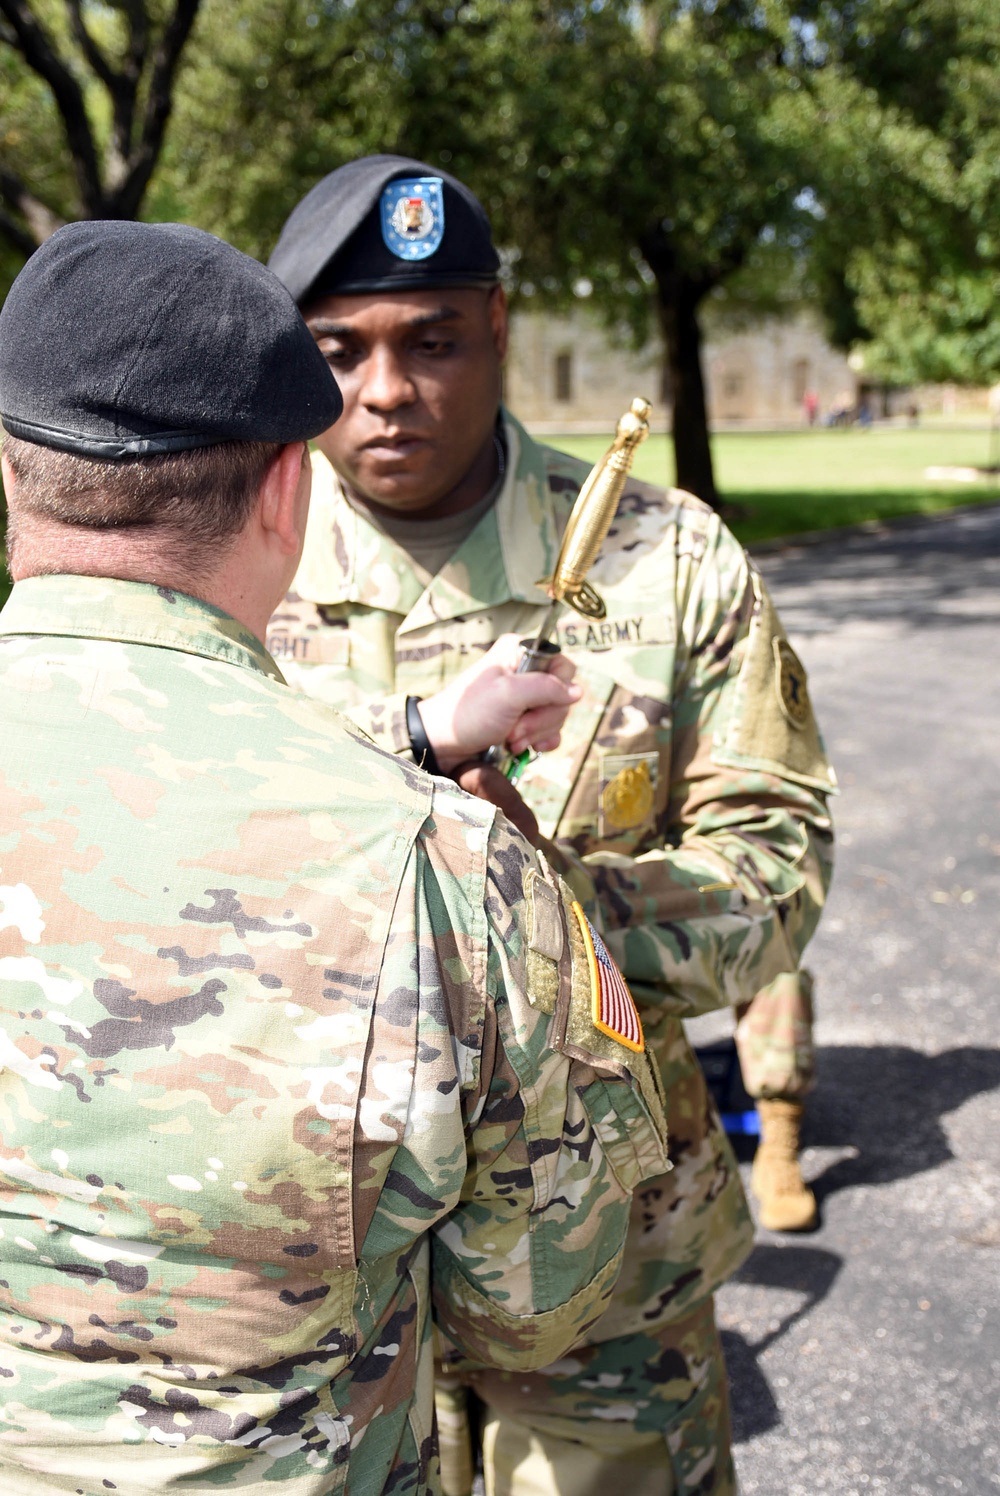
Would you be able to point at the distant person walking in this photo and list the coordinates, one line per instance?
(842, 410)
(810, 404)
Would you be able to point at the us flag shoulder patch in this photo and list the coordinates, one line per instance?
(613, 1008)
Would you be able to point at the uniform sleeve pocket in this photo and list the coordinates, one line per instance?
(633, 1143)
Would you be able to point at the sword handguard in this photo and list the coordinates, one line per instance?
(586, 531)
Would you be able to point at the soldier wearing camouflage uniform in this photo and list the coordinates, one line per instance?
(687, 801)
(299, 1045)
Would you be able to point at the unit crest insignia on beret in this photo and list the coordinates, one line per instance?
(793, 693)
(613, 1009)
(413, 216)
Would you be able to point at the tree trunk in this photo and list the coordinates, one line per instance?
(112, 185)
(678, 302)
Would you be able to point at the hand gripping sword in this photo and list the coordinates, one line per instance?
(586, 532)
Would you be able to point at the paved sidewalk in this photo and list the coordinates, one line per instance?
(865, 1357)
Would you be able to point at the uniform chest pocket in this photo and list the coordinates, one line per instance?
(550, 783)
(621, 792)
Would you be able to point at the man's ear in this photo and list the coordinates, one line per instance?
(497, 310)
(283, 504)
(9, 481)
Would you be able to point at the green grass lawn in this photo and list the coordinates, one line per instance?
(780, 483)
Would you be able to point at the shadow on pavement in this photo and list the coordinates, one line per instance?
(940, 573)
(753, 1406)
(809, 1271)
(887, 1102)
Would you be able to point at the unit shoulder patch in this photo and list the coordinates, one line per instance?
(769, 721)
(790, 680)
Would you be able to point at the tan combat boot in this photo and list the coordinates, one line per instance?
(786, 1203)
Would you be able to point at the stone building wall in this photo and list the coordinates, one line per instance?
(568, 373)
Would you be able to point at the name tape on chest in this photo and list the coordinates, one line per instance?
(312, 647)
(611, 633)
(612, 1007)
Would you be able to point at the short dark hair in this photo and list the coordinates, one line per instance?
(194, 501)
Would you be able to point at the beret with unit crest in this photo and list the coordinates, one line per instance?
(122, 340)
(385, 223)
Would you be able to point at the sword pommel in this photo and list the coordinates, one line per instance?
(593, 513)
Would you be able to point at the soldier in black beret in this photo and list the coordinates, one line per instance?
(385, 223)
(434, 516)
(128, 340)
(273, 1044)
(389, 232)
(154, 383)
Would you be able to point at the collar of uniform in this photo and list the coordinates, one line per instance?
(530, 521)
(513, 545)
(347, 560)
(133, 613)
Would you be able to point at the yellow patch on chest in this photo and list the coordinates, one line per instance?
(627, 798)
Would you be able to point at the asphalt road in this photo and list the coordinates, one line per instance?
(865, 1357)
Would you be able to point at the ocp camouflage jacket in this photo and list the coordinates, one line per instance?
(296, 1045)
(687, 801)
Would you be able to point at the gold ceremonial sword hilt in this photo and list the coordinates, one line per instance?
(590, 520)
(586, 531)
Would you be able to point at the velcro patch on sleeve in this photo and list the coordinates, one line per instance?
(546, 918)
(546, 941)
(613, 1009)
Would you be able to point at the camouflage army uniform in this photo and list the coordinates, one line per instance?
(687, 801)
(296, 1046)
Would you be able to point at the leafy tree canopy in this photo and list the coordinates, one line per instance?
(89, 89)
(658, 156)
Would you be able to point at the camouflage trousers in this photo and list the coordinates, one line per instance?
(649, 1413)
(775, 1041)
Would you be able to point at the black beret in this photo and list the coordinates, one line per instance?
(385, 223)
(130, 339)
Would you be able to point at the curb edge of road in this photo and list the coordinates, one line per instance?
(867, 527)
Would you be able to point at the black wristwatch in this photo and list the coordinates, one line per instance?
(423, 753)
